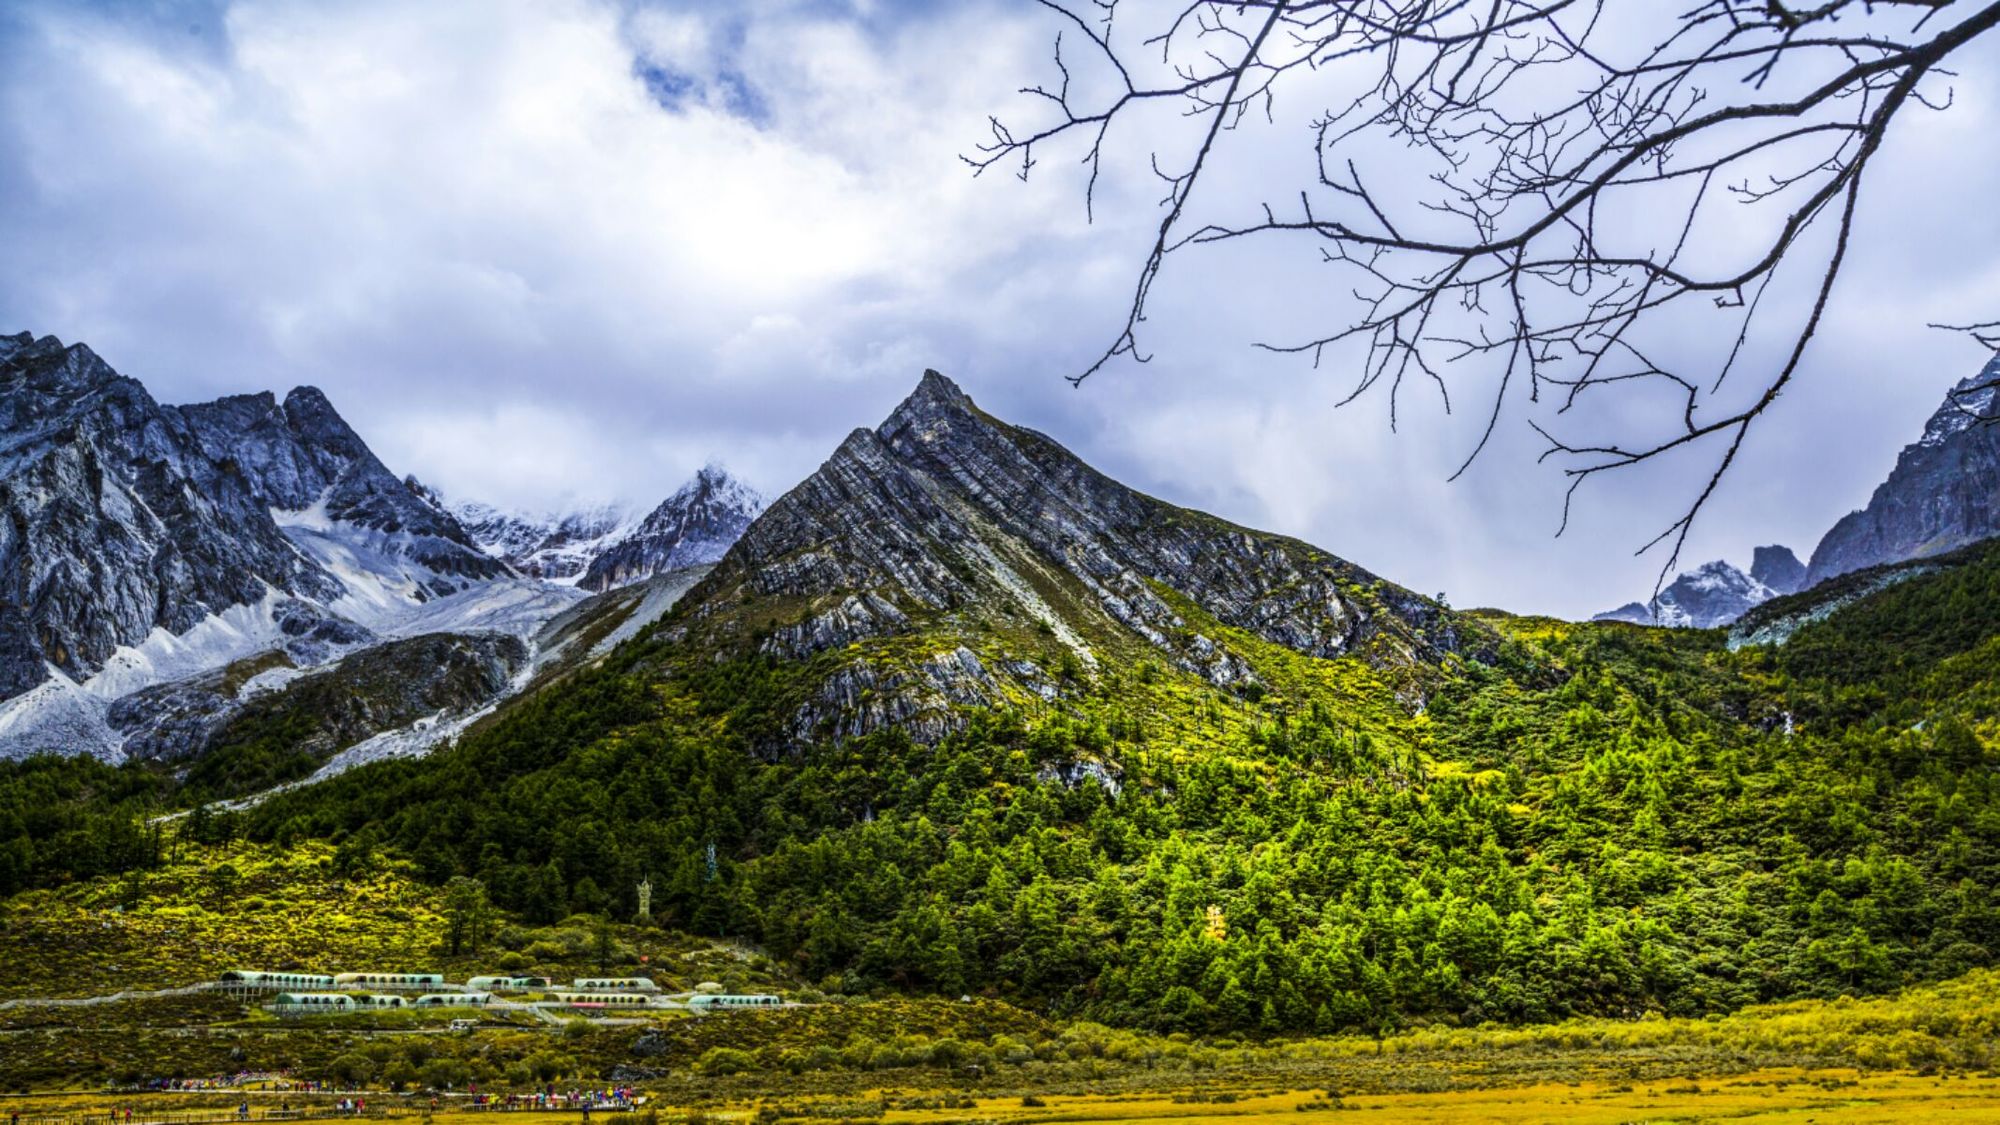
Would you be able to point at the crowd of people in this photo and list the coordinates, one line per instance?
(241, 1078)
(549, 1098)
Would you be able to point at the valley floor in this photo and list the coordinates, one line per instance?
(1778, 1094)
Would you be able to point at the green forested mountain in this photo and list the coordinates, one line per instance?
(959, 715)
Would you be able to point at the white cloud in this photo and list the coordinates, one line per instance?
(523, 277)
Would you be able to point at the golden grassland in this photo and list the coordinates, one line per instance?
(1789, 1095)
(1786, 1095)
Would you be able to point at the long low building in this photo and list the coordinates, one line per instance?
(424, 981)
(452, 1000)
(314, 1002)
(614, 984)
(303, 1003)
(728, 1000)
(603, 999)
(276, 982)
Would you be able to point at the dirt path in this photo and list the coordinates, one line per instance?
(113, 998)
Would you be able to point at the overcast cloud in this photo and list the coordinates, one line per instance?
(540, 253)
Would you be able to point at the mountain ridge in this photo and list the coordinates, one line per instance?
(117, 522)
(980, 541)
(1943, 493)
(694, 526)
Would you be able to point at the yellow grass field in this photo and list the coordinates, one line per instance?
(1793, 1097)
(1790, 1096)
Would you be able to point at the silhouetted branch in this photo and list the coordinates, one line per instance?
(1568, 198)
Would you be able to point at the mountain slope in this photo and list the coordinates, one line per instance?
(693, 527)
(1943, 493)
(984, 544)
(328, 488)
(264, 721)
(148, 546)
(1043, 738)
(118, 521)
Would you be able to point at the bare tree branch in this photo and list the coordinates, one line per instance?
(1592, 176)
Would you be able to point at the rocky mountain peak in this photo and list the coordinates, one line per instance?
(307, 464)
(1778, 568)
(312, 417)
(50, 367)
(116, 520)
(1943, 493)
(1966, 405)
(935, 397)
(1715, 593)
(948, 523)
(693, 527)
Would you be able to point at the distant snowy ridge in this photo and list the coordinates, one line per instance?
(695, 526)
(1715, 593)
(600, 547)
(553, 546)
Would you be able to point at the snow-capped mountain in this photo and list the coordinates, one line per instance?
(337, 501)
(120, 525)
(1716, 593)
(695, 526)
(555, 547)
(145, 544)
(604, 546)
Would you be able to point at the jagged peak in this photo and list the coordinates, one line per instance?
(1981, 377)
(713, 482)
(310, 400)
(1969, 402)
(713, 476)
(262, 402)
(935, 397)
(77, 365)
(1777, 567)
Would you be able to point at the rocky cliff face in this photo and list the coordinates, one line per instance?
(1943, 493)
(305, 463)
(116, 520)
(945, 523)
(1778, 569)
(146, 550)
(693, 527)
(319, 713)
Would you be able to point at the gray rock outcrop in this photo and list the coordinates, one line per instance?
(945, 518)
(116, 519)
(1943, 493)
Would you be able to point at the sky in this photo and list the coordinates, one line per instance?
(543, 254)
